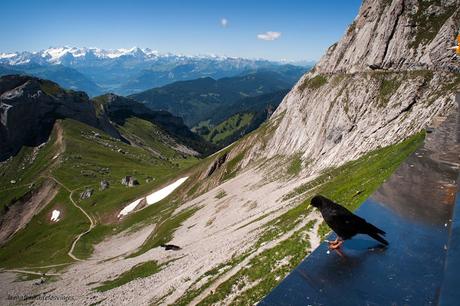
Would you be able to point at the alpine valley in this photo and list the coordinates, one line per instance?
(187, 180)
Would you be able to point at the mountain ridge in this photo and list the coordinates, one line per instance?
(118, 109)
(196, 100)
(128, 71)
(397, 35)
(29, 107)
(57, 54)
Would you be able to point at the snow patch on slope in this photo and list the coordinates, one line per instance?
(154, 197)
(55, 215)
(163, 193)
(129, 208)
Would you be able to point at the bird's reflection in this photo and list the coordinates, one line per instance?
(340, 264)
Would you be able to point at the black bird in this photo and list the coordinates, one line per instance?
(169, 247)
(344, 223)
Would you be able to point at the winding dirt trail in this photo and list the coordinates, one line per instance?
(92, 223)
(61, 148)
(31, 272)
(91, 226)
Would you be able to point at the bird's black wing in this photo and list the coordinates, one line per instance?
(334, 211)
(343, 222)
(346, 224)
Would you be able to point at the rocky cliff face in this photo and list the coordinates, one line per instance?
(397, 35)
(386, 79)
(29, 107)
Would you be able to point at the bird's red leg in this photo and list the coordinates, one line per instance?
(332, 243)
(336, 244)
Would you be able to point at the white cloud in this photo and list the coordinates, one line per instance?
(269, 35)
(224, 22)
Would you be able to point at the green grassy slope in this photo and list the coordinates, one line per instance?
(231, 122)
(219, 133)
(142, 270)
(164, 128)
(147, 135)
(25, 169)
(43, 242)
(90, 155)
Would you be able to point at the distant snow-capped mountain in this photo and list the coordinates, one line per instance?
(126, 71)
(62, 55)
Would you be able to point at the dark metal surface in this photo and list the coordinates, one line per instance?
(415, 208)
(408, 272)
(450, 291)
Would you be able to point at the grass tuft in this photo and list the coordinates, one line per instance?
(220, 194)
(141, 270)
(313, 83)
(295, 165)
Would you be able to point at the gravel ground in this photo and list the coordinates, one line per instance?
(210, 237)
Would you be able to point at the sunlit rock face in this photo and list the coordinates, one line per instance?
(386, 79)
(397, 35)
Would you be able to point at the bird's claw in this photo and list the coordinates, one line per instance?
(333, 245)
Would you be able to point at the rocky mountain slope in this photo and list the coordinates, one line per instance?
(242, 220)
(397, 35)
(30, 107)
(383, 81)
(343, 128)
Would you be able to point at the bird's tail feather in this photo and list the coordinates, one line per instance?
(378, 238)
(375, 229)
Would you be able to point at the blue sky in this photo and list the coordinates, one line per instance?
(302, 30)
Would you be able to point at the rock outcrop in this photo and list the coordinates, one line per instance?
(87, 193)
(129, 181)
(217, 164)
(104, 185)
(386, 79)
(29, 107)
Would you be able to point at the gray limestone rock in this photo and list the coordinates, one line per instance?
(104, 185)
(129, 181)
(87, 193)
(387, 78)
